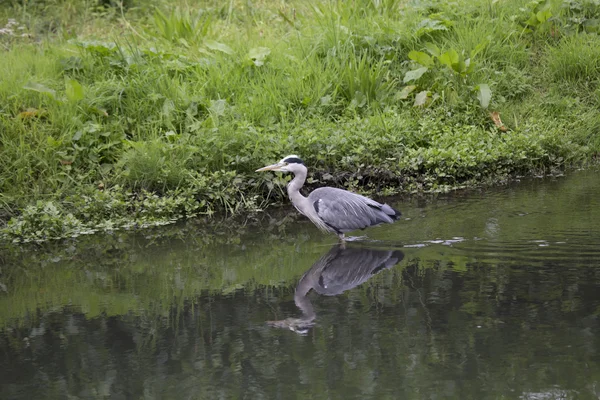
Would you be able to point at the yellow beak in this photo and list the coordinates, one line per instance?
(273, 167)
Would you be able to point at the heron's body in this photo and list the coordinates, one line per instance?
(331, 209)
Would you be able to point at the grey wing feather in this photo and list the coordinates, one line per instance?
(345, 211)
(346, 268)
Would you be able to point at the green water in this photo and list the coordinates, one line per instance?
(490, 294)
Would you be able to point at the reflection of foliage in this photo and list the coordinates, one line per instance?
(456, 332)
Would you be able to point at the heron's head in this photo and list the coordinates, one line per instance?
(291, 163)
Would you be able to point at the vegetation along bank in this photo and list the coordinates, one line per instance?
(137, 113)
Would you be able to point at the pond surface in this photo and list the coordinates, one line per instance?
(484, 294)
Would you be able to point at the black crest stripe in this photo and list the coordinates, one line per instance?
(293, 160)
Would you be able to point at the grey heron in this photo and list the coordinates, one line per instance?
(331, 209)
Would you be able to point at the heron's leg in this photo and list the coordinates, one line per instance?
(356, 238)
(342, 237)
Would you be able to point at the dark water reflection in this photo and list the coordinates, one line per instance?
(341, 269)
(479, 295)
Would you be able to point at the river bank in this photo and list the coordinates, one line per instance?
(114, 118)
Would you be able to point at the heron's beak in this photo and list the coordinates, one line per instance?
(273, 167)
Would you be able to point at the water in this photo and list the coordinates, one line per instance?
(490, 294)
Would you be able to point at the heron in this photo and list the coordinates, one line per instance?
(331, 209)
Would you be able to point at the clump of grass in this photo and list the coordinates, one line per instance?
(156, 165)
(575, 59)
(182, 26)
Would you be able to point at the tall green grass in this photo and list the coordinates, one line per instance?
(168, 101)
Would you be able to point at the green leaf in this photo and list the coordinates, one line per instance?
(259, 55)
(414, 74)
(432, 49)
(430, 25)
(532, 21)
(479, 48)
(214, 45)
(38, 87)
(470, 66)
(74, 90)
(100, 111)
(167, 108)
(449, 58)
(460, 66)
(406, 90)
(71, 64)
(53, 142)
(484, 95)
(421, 58)
(359, 100)
(591, 25)
(217, 107)
(543, 16)
(183, 42)
(97, 48)
(421, 98)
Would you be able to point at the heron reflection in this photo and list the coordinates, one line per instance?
(341, 269)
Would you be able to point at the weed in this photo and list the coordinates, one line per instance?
(449, 72)
(537, 15)
(581, 16)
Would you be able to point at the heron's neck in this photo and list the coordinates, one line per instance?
(300, 297)
(294, 187)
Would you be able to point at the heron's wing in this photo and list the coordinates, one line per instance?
(345, 211)
(352, 266)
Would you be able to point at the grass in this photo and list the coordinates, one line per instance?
(575, 59)
(162, 110)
